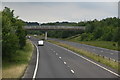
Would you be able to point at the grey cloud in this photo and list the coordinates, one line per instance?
(48, 12)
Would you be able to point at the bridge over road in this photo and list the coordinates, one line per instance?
(48, 28)
(45, 28)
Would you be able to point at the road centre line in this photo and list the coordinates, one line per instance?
(72, 71)
(60, 57)
(64, 62)
(101, 51)
(111, 53)
(56, 53)
(88, 60)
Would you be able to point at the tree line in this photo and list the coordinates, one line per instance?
(104, 30)
(101, 30)
(82, 23)
(32, 23)
(13, 34)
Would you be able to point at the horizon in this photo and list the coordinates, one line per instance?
(70, 21)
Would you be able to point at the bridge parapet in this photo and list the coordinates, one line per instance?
(54, 27)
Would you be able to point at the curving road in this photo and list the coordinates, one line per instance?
(58, 62)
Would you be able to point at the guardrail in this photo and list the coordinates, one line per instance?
(104, 57)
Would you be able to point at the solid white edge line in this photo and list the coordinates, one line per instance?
(89, 60)
(36, 67)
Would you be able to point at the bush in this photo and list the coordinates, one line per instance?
(86, 37)
(13, 35)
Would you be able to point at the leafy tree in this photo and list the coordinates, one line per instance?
(9, 39)
(98, 32)
(13, 35)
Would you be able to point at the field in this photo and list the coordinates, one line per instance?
(103, 44)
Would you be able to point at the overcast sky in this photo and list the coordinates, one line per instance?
(63, 11)
(60, 0)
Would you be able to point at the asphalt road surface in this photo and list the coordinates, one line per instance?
(57, 62)
(101, 51)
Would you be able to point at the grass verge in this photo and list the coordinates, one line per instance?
(103, 44)
(19, 63)
(110, 63)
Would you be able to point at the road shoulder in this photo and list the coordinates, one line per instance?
(30, 69)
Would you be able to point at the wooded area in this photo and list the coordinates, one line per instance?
(100, 30)
(13, 34)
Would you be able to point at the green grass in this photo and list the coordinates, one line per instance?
(103, 44)
(90, 55)
(17, 65)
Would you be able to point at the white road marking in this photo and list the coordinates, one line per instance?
(72, 71)
(112, 53)
(60, 57)
(88, 60)
(56, 53)
(36, 67)
(64, 62)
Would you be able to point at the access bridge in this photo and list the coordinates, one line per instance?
(59, 28)
(46, 28)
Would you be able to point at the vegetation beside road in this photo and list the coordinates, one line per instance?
(96, 30)
(13, 34)
(103, 44)
(110, 63)
(101, 33)
(16, 52)
(19, 63)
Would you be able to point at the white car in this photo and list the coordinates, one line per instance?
(35, 35)
(28, 37)
(40, 43)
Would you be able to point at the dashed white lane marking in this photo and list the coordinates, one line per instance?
(56, 53)
(111, 53)
(64, 62)
(72, 71)
(88, 60)
(60, 57)
(101, 51)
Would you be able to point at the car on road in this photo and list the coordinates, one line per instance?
(40, 43)
(35, 35)
(28, 37)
